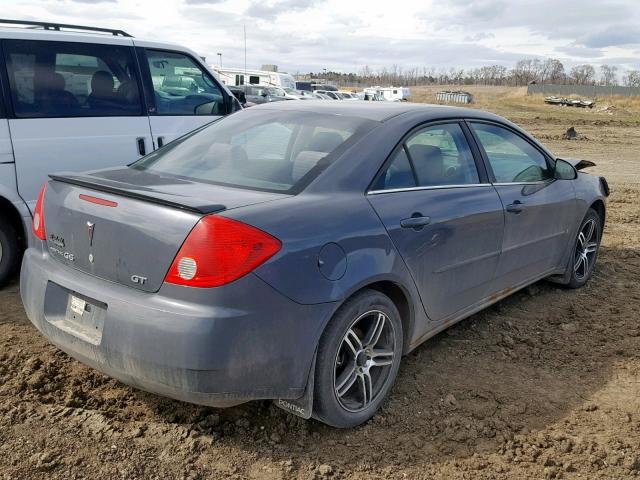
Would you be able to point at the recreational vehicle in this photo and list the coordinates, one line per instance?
(392, 94)
(239, 76)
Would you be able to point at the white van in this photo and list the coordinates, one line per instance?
(82, 98)
(238, 76)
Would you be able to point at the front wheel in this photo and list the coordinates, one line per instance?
(358, 360)
(586, 249)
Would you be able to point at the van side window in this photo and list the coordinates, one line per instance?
(60, 79)
(182, 87)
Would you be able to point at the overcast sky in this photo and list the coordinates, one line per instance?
(344, 35)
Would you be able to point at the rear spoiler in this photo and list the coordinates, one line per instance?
(83, 181)
(579, 164)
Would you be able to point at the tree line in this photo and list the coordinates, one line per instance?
(525, 71)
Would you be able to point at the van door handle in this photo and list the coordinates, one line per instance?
(416, 221)
(142, 148)
(160, 142)
(515, 207)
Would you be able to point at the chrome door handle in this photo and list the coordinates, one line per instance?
(416, 221)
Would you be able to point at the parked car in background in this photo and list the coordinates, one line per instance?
(333, 95)
(348, 96)
(258, 94)
(294, 94)
(78, 98)
(297, 250)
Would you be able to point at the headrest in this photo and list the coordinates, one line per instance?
(428, 162)
(304, 162)
(325, 142)
(102, 82)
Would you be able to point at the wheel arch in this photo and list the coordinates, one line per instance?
(400, 297)
(12, 215)
(600, 208)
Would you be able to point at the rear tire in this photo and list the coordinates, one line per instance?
(9, 251)
(585, 251)
(358, 359)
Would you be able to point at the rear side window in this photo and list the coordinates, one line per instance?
(435, 156)
(261, 150)
(182, 87)
(60, 79)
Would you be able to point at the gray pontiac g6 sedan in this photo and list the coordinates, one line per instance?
(296, 251)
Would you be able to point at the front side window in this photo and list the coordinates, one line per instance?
(261, 150)
(511, 157)
(254, 80)
(182, 87)
(60, 79)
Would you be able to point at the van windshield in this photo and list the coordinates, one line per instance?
(266, 150)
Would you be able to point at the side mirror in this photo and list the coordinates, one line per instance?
(564, 170)
(240, 95)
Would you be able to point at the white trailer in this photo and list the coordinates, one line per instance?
(391, 94)
(240, 76)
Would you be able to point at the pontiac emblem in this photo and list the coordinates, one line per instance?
(90, 228)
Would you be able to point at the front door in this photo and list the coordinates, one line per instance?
(185, 94)
(538, 209)
(444, 220)
(76, 106)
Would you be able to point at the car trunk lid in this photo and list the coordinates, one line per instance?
(128, 231)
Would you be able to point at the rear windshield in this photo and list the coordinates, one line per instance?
(261, 150)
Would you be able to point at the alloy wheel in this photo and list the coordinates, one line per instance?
(586, 248)
(364, 360)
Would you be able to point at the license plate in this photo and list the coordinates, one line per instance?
(77, 305)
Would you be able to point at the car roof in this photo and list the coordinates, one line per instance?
(381, 111)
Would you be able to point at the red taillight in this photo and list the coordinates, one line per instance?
(38, 216)
(220, 250)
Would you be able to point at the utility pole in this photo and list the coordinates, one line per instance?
(220, 58)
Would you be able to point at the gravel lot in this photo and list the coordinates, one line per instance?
(545, 384)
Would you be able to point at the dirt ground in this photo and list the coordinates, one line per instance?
(545, 384)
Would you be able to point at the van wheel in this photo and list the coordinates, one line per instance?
(358, 360)
(9, 251)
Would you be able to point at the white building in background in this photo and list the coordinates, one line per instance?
(392, 94)
(239, 76)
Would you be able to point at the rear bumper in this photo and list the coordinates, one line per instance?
(217, 347)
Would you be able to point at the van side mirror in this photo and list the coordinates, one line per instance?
(564, 170)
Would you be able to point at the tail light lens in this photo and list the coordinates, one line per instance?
(220, 250)
(38, 216)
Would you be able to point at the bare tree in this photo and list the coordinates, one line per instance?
(608, 75)
(632, 78)
(583, 74)
(553, 71)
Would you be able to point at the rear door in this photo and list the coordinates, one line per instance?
(538, 209)
(74, 106)
(443, 216)
(183, 95)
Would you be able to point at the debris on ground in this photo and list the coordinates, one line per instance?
(569, 102)
(572, 134)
